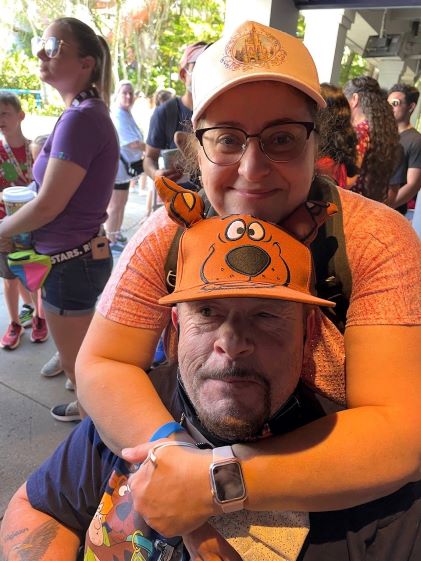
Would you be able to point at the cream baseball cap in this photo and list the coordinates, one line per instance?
(251, 53)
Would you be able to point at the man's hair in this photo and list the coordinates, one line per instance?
(9, 98)
(410, 92)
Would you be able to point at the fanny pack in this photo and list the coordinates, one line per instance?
(133, 169)
(30, 267)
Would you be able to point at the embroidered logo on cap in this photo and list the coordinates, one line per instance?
(252, 48)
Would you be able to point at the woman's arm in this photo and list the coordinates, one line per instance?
(339, 461)
(113, 359)
(27, 533)
(61, 181)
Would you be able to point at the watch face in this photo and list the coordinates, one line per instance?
(228, 482)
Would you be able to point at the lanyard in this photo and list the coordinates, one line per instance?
(27, 176)
(85, 94)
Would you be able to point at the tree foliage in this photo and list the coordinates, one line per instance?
(157, 30)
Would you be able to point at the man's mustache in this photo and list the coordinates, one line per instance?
(232, 372)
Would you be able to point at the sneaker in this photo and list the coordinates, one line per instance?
(25, 315)
(39, 330)
(52, 367)
(11, 338)
(116, 247)
(69, 385)
(120, 238)
(66, 412)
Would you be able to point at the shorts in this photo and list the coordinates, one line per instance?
(72, 287)
(5, 272)
(122, 186)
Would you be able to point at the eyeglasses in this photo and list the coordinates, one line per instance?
(395, 102)
(51, 46)
(283, 142)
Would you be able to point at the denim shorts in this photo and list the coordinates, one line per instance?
(72, 288)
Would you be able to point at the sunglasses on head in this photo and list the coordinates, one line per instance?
(51, 46)
(395, 102)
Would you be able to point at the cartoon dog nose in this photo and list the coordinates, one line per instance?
(248, 260)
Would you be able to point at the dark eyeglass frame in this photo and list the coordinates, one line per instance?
(40, 45)
(308, 125)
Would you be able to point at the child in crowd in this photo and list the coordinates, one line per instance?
(16, 169)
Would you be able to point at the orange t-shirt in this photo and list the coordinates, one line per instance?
(384, 255)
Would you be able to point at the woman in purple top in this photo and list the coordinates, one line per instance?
(75, 176)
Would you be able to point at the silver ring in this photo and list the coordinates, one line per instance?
(151, 457)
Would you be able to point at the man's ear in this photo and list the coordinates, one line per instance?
(174, 318)
(182, 74)
(22, 115)
(309, 330)
(412, 107)
(353, 102)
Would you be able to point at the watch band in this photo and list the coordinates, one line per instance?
(223, 457)
(223, 453)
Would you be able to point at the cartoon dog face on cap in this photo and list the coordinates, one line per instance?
(244, 250)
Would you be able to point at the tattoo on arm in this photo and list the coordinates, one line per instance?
(35, 544)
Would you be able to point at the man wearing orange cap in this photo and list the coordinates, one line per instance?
(171, 117)
(244, 304)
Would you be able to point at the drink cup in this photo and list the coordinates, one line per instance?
(14, 198)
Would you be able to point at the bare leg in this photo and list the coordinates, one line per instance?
(115, 212)
(11, 296)
(25, 294)
(68, 333)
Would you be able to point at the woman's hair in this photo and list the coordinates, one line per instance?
(337, 138)
(122, 83)
(95, 46)
(383, 151)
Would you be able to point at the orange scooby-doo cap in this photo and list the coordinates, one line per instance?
(234, 256)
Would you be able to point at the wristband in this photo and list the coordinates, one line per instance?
(166, 430)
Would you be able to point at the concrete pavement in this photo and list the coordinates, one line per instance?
(28, 433)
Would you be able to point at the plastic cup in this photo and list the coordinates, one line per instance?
(14, 198)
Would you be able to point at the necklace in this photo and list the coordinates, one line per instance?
(26, 176)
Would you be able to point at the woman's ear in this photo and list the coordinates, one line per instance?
(88, 62)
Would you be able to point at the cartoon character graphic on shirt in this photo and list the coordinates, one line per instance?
(116, 530)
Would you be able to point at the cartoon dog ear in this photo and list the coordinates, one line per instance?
(183, 206)
(305, 221)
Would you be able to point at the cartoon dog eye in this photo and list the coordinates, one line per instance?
(256, 231)
(235, 230)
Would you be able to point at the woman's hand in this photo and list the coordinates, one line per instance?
(206, 544)
(174, 496)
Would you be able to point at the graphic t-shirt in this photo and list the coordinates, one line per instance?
(9, 175)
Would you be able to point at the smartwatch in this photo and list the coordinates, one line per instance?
(226, 479)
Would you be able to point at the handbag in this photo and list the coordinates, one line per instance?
(133, 169)
(30, 267)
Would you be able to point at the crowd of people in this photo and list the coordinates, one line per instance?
(291, 320)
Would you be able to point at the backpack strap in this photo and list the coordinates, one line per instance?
(333, 274)
(171, 120)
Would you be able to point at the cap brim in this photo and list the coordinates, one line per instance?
(208, 292)
(258, 77)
